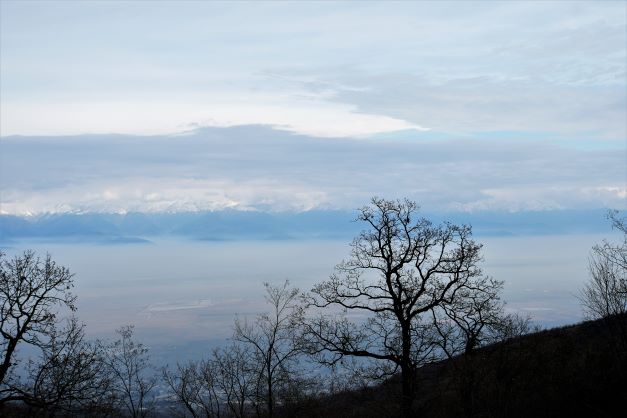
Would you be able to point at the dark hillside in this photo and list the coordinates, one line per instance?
(578, 370)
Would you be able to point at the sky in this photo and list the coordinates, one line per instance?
(274, 106)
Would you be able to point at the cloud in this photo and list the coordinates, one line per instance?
(461, 106)
(468, 105)
(332, 69)
(167, 194)
(260, 168)
(543, 197)
(306, 115)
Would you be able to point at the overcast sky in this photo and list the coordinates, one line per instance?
(460, 105)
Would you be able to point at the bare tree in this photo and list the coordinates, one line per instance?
(129, 363)
(400, 269)
(225, 384)
(617, 252)
(32, 293)
(237, 377)
(273, 341)
(512, 326)
(195, 387)
(605, 294)
(72, 375)
(472, 317)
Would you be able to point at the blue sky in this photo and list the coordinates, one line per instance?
(462, 106)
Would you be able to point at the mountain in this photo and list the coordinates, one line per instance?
(254, 225)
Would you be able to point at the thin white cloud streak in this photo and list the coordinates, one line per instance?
(302, 115)
(545, 198)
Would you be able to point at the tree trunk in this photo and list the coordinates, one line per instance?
(407, 375)
(6, 363)
(407, 399)
(270, 399)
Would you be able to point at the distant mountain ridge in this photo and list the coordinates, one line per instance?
(251, 225)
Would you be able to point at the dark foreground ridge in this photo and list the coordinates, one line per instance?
(573, 371)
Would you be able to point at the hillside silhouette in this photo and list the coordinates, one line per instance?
(572, 371)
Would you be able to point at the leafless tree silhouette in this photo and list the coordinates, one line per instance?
(195, 387)
(72, 374)
(236, 375)
(32, 292)
(470, 320)
(273, 340)
(400, 269)
(605, 294)
(129, 363)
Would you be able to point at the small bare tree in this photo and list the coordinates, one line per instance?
(400, 269)
(605, 294)
(225, 384)
(273, 341)
(130, 365)
(195, 387)
(32, 293)
(471, 319)
(72, 375)
(236, 375)
(617, 252)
